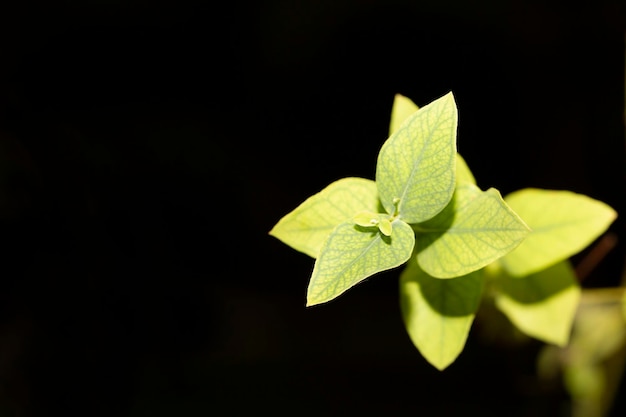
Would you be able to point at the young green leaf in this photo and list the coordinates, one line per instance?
(562, 222)
(463, 173)
(385, 226)
(415, 171)
(401, 109)
(352, 253)
(543, 304)
(309, 225)
(369, 219)
(438, 313)
(475, 229)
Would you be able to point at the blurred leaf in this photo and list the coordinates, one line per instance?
(463, 173)
(595, 357)
(600, 328)
(309, 225)
(542, 305)
(437, 313)
(401, 109)
(585, 381)
(562, 222)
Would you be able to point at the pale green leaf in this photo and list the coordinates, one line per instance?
(593, 365)
(463, 173)
(352, 253)
(402, 108)
(542, 305)
(586, 384)
(367, 218)
(475, 229)
(562, 222)
(385, 226)
(415, 171)
(309, 225)
(599, 330)
(438, 313)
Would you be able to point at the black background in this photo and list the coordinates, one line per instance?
(147, 148)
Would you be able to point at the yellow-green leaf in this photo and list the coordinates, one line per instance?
(437, 313)
(463, 173)
(401, 109)
(415, 171)
(309, 225)
(562, 222)
(352, 253)
(542, 305)
(367, 218)
(385, 226)
(475, 229)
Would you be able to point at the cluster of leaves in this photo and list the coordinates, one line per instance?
(458, 243)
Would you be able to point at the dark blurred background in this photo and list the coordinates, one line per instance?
(147, 148)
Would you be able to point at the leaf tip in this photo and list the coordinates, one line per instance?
(449, 95)
(441, 366)
(312, 303)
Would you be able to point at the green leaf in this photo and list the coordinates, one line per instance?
(562, 222)
(385, 226)
(599, 330)
(401, 109)
(353, 253)
(593, 364)
(463, 173)
(542, 305)
(437, 313)
(415, 171)
(309, 225)
(475, 229)
(369, 219)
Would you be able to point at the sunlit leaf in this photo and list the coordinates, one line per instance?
(385, 226)
(543, 304)
(366, 218)
(562, 222)
(352, 253)
(369, 219)
(401, 109)
(438, 313)
(463, 173)
(309, 225)
(475, 229)
(415, 172)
